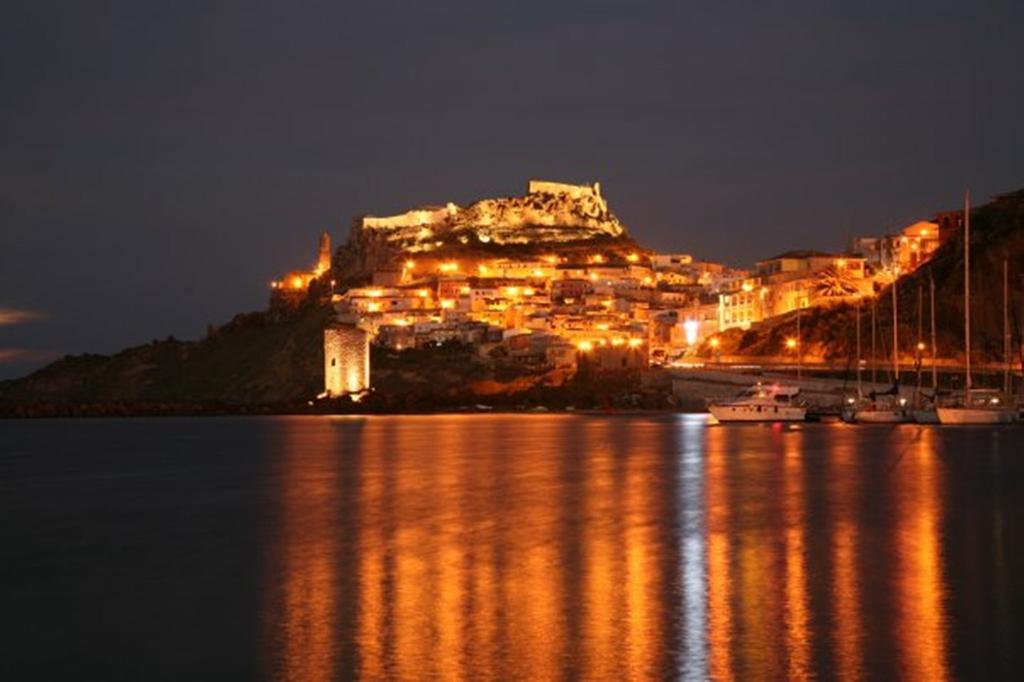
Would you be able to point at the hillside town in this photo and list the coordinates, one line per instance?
(601, 307)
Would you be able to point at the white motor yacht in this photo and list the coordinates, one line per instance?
(762, 403)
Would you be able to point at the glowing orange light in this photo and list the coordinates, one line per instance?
(447, 303)
(747, 286)
(409, 264)
(841, 263)
(618, 341)
(422, 293)
(373, 307)
(791, 343)
(483, 269)
(296, 282)
(920, 345)
(374, 293)
(585, 346)
(632, 258)
(463, 290)
(635, 343)
(449, 267)
(714, 343)
(528, 291)
(603, 326)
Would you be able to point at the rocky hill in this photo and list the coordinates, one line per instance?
(257, 359)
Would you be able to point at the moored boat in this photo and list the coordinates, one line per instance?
(982, 407)
(762, 403)
(883, 412)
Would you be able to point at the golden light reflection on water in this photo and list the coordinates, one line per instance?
(921, 627)
(546, 547)
(798, 636)
(844, 489)
(305, 620)
(719, 589)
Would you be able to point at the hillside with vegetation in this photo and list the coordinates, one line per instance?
(828, 332)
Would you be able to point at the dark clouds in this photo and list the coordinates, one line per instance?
(161, 161)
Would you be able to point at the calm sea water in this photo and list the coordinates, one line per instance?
(537, 547)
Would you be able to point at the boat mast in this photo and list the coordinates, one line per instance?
(799, 347)
(1006, 326)
(895, 333)
(967, 297)
(935, 371)
(860, 388)
(919, 346)
(874, 306)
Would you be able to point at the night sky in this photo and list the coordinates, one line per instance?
(161, 162)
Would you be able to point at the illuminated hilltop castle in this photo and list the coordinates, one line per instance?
(549, 212)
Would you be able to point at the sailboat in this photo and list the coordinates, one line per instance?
(888, 407)
(975, 406)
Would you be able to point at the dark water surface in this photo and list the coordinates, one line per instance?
(538, 547)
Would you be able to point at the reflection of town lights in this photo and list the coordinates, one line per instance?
(714, 342)
(585, 346)
(791, 343)
(690, 328)
(635, 343)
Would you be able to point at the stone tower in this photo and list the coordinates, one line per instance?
(346, 361)
(323, 261)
